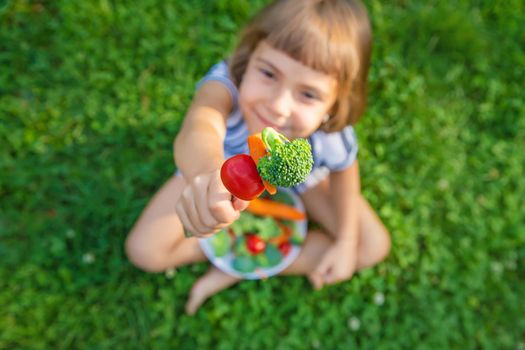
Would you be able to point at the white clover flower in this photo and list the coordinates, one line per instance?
(443, 184)
(169, 273)
(496, 267)
(316, 344)
(88, 258)
(379, 298)
(520, 346)
(511, 265)
(511, 262)
(354, 324)
(70, 233)
(482, 200)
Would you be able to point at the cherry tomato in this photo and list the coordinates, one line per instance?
(254, 244)
(285, 247)
(239, 175)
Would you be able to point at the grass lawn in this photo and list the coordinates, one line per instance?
(92, 94)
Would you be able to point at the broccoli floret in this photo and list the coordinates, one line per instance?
(288, 162)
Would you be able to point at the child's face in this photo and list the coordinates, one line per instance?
(280, 92)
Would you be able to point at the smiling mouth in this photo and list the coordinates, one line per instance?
(267, 122)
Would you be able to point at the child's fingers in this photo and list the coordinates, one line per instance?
(316, 279)
(324, 272)
(329, 278)
(193, 214)
(192, 217)
(201, 190)
(324, 266)
(220, 203)
(239, 204)
(319, 276)
(186, 223)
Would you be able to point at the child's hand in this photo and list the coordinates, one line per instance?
(205, 205)
(338, 264)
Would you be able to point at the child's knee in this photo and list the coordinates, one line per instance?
(141, 256)
(384, 245)
(375, 249)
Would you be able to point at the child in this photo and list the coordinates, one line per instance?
(301, 67)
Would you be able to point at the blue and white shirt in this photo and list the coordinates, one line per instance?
(331, 151)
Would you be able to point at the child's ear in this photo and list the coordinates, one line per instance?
(332, 111)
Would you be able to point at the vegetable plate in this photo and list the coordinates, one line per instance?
(265, 239)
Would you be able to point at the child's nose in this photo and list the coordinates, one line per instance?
(281, 103)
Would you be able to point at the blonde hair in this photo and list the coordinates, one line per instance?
(331, 36)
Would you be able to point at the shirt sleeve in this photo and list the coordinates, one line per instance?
(335, 151)
(220, 72)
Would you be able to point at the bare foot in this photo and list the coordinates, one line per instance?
(211, 283)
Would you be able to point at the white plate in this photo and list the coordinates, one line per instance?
(224, 263)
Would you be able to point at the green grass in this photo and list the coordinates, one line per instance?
(92, 94)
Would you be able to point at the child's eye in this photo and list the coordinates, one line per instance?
(267, 73)
(310, 95)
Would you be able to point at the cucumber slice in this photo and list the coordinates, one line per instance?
(221, 243)
(240, 249)
(262, 260)
(244, 264)
(273, 255)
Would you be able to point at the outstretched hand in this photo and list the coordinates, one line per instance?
(337, 264)
(206, 207)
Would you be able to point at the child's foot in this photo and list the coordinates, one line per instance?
(212, 282)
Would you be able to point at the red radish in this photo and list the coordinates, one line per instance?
(239, 175)
(254, 244)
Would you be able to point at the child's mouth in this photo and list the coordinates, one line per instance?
(266, 122)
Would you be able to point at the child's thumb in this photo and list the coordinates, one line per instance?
(320, 274)
(323, 266)
(239, 204)
(316, 279)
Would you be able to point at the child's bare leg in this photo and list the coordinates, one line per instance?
(373, 238)
(157, 243)
(211, 283)
(157, 240)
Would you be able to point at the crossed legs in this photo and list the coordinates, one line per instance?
(157, 243)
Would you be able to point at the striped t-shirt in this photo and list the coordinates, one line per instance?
(331, 151)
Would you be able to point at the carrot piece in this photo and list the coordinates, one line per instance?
(283, 237)
(258, 150)
(269, 187)
(266, 207)
(256, 147)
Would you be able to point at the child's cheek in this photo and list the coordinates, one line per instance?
(304, 125)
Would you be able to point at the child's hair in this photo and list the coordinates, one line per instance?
(331, 36)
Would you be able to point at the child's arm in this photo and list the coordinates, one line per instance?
(205, 205)
(198, 147)
(339, 262)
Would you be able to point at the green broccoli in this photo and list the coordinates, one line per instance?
(288, 162)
